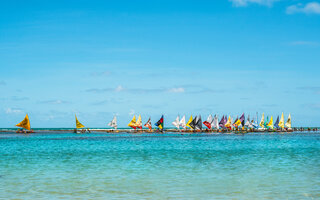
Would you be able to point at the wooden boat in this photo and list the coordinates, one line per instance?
(25, 125)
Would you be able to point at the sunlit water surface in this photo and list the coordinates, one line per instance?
(160, 166)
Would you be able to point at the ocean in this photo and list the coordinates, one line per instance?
(160, 166)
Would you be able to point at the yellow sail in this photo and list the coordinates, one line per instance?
(132, 124)
(139, 122)
(188, 123)
(288, 124)
(25, 123)
(262, 121)
(228, 124)
(270, 124)
(238, 122)
(78, 124)
(281, 123)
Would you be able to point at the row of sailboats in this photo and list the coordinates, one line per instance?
(194, 124)
(212, 123)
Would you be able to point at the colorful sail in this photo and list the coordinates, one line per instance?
(160, 123)
(113, 123)
(78, 124)
(133, 122)
(223, 121)
(288, 124)
(266, 122)
(25, 123)
(148, 124)
(182, 122)
(237, 122)
(242, 119)
(193, 123)
(281, 123)
(270, 124)
(188, 123)
(176, 122)
(198, 124)
(276, 124)
(139, 122)
(261, 124)
(228, 124)
(208, 122)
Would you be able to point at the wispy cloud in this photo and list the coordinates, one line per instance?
(17, 98)
(193, 89)
(244, 3)
(304, 43)
(315, 89)
(312, 105)
(120, 88)
(55, 102)
(309, 8)
(112, 100)
(13, 110)
(176, 90)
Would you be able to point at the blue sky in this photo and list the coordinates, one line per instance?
(103, 58)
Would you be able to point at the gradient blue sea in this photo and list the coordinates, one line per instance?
(160, 166)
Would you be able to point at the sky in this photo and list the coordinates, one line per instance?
(98, 59)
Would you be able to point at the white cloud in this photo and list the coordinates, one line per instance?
(309, 8)
(243, 3)
(54, 102)
(13, 111)
(119, 88)
(176, 90)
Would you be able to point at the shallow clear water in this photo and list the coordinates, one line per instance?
(155, 166)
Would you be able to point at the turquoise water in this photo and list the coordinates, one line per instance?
(154, 166)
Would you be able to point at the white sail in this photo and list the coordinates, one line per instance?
(113, 122)
(182, 122)
(176, 122)
(215, 122)
(247, 124)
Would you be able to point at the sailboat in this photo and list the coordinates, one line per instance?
(261, 124)
(215, 122)
(182, 122)
(228, 124)
(247, 124)
(208, 122)
(139, 122)
(276, 124)
(25, 123)
(192, 124)
(159, 123)
(148, 124)
(198, 124)
(113, 123)
(236, 122)
(270, 124)
(176, 122)
(132, 123)
(288, 123)
(79, 126)
(281, 123)
(189, 122)
(222, 122)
